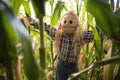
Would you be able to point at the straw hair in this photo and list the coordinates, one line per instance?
(77, 33)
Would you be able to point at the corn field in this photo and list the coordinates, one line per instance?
(27, 52)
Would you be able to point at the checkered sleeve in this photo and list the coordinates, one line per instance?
(51, 32)
(87, 36)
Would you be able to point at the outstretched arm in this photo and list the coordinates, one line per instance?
(87, 36)
(51, 32)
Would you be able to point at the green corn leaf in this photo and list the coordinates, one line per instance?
(100, 15)
(38, 7)
(89, 19)
(27, 7)
(16, 5)
(57, 12)
(106, 20)
(8, 41)
(7, 36)
(30, 67)
(97, 42)
(91, 58)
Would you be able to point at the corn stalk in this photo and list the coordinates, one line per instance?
(40, 12)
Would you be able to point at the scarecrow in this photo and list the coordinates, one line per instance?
(68, 39)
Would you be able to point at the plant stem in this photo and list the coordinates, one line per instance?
(52, 57)
(42, 52)
(41, 32)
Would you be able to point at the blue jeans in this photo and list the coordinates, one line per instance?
(64, 69)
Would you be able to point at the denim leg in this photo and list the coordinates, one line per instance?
(60, 73)
(71, 70)
(64, 69)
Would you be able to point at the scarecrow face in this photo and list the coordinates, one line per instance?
(69, 23)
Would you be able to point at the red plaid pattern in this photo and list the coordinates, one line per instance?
(67, 50)
(51, 32)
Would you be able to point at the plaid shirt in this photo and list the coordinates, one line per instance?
(67, 50)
